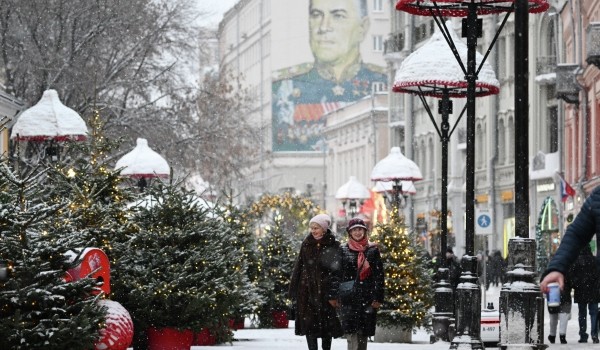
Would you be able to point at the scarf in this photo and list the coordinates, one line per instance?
(360, 247)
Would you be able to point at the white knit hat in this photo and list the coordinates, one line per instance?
(322, 219)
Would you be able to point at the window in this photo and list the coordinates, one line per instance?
(377, 5)
(378, 43)
(379, 86)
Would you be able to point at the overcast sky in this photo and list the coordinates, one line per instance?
(216, 9)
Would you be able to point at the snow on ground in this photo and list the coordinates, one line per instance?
(284, 339)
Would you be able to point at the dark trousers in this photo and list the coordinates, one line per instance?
(593, 311)
(313, 345)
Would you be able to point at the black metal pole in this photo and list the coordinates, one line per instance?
(471, 77)
(445, 110)
(521, 119)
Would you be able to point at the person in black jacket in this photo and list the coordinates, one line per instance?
(361, 261)
(314, 285)
(454, 269)
(585, 277)
(579, 233)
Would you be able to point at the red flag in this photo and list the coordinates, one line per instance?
(565, 189)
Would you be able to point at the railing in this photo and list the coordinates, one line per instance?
(395, 43)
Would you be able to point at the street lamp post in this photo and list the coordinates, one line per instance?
(142, 164)
(416, 76)
(468, 299)
(352, 193)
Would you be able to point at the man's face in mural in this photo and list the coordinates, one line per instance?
(336, 30)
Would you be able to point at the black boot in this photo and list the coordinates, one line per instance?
(552, 339)
(595, 340)
(563, 339)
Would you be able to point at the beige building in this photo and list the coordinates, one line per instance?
(9, 108)
(267, 42)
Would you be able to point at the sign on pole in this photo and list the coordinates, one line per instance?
(483, 222)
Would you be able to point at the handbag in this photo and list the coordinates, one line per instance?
(347, 289)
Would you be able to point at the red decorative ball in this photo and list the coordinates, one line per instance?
(118, 333)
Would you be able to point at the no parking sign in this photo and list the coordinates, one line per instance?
(483, 222)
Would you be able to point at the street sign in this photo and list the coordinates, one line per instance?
(483, 222)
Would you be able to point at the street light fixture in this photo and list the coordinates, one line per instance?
(352, 193)
(432, 70)
(468, 331)
(142, 164)
(396, 168)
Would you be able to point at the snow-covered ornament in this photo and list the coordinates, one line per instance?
(118, 332)
(49, 120)
(143, 162)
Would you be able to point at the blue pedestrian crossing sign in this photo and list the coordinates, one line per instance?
(483, 222)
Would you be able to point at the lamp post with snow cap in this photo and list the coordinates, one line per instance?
(433, 70)
(469, 315)
(396, 168)
(143, 164)
(352, 193)
(388, 189)
(48, 124)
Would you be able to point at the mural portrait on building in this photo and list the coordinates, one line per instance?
(302, 94)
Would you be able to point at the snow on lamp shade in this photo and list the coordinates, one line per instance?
(118, 332)
(433, 67)
(49, 119)
(396, 167)
(352, 189)
(143, 162)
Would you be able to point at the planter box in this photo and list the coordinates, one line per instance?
(204, 337)
(392, 335)
(280, 319)
(236, 323)
(169, 339)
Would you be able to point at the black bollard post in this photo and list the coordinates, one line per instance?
(468, 307)
(521, 302)
(444, 307)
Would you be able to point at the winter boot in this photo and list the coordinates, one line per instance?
(595, 340)
(563, 339)
(582, 339)
(552, 339)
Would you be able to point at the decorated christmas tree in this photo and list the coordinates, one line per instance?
(281, 222)
(408, 279)
(39, 310)
(183, 270)
(97, 214)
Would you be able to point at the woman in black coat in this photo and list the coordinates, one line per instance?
(359, 312)
(314, 285)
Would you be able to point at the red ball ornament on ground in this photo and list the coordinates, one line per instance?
(118, 333)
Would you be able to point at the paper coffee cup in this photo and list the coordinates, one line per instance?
(553, 294)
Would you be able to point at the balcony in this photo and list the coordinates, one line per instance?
(545, 65)
(593, 44)
(395, 43)
(567, 88)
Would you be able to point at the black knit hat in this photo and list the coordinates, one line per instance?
(354, 223)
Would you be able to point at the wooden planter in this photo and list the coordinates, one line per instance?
(169, 339)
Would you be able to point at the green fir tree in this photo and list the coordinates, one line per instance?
(39, 310)
(408, 278)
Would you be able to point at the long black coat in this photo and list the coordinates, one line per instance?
(357, 314)
(585, 278)
(579, 233)
(315, 280)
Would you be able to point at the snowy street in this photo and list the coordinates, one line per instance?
(267, 339)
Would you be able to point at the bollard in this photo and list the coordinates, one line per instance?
(521, 302)
(444, 307)
(467, 301)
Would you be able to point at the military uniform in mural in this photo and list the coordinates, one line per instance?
(304, 93)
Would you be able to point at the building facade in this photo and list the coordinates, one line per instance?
(267, 42)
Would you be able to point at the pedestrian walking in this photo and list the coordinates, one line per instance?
(362, 267)
(454, 269)
(561, 314)
(314, 285)
(585, 277)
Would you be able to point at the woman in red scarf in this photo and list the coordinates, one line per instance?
(361, 261)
